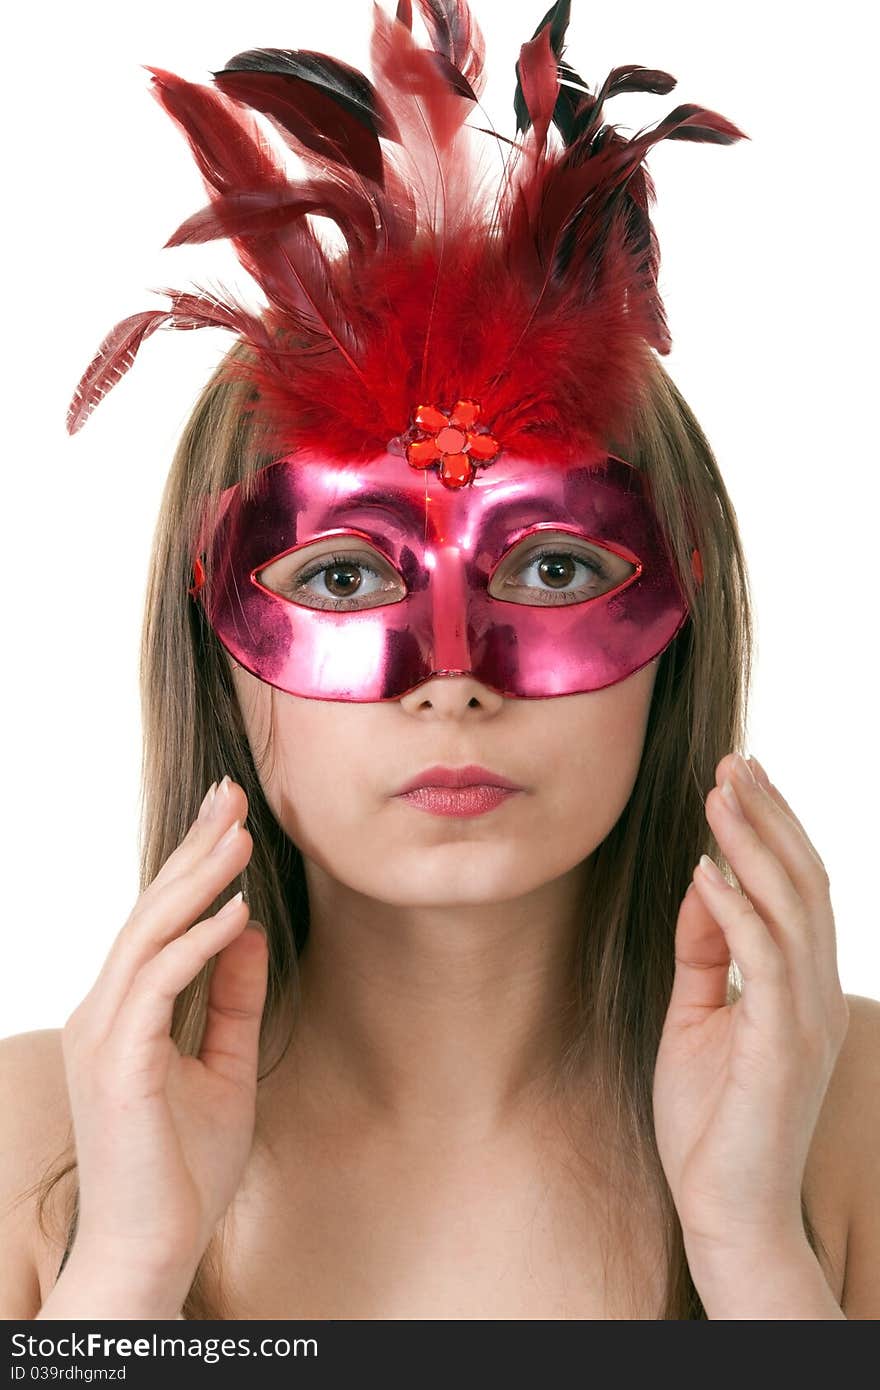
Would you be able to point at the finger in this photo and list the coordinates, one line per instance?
(823, 912)
(215, 815)
(702, 961)
(169, 910)
(766, 991)
(780, 830)
(139, 1042)
(766, 884)
(231, 1041)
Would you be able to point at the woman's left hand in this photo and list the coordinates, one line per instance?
(738, 1087)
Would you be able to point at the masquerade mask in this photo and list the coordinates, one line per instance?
(529, 299)
(359, 583)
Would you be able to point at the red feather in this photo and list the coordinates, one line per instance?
(119, 349)
(255, 214)
(455, 36)
(110, 363)
(234, 156)
(539, 80)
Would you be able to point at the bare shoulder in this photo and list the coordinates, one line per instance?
(35, 1123)
(841, 1178)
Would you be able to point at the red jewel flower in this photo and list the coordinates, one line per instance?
(449, 439)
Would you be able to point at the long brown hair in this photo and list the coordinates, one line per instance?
(193, 734)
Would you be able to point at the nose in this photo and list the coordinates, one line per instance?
(452, 697)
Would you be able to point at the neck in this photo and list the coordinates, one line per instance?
(443, 1017)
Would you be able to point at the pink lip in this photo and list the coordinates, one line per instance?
(457, 777)
(457, 801)
(457, 791)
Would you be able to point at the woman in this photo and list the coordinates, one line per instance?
(503, 1069)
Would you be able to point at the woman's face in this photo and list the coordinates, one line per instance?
(333, 768)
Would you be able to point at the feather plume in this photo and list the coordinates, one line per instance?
(535, 295)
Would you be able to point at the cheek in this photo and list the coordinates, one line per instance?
(314, 759)
(315, 777)
(594, 743)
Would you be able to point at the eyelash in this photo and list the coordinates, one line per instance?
(327, 562)
(547, 595)
(590, 562)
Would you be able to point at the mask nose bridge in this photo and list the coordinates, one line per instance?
(449, 608)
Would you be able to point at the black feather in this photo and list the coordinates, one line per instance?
(346, 85)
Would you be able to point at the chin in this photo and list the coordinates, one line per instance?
(454, 875)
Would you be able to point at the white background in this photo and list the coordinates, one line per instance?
(769, 278)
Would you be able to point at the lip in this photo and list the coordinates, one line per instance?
(458, 801)
(457, 778)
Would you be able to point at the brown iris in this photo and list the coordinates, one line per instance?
(330, 579)
(555, 563)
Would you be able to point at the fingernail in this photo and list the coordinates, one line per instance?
(742, 770)
(228, 839)
(711, 870)
(205, 808)
(759, 772)
(730, 798)
(221, 800)
(230, 907)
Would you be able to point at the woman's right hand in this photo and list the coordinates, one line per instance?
(162, 1139)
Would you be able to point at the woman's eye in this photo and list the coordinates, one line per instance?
(556, 575)
(332, 582)
(348, 582)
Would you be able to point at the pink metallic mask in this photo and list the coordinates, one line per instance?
(434, 553)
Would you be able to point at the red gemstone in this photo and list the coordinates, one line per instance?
(697, 566)
(482, 446)
(451, 441)
(428, 417)
(456, 470)
(421, 453)
(464, 413)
